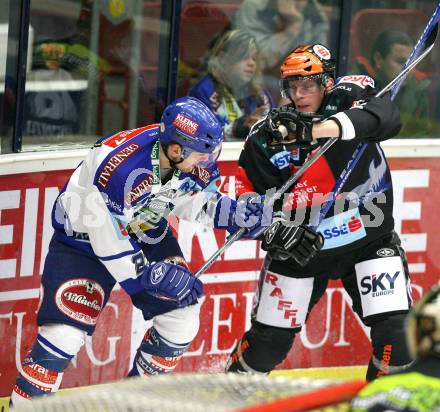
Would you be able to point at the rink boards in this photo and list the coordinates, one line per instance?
(334, 337)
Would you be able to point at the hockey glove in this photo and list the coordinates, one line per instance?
(281, 121)
(248, 212)
(172, 282)
(299, 243)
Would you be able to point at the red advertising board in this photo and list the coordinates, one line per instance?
(333, 337)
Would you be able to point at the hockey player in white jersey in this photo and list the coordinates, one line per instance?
(111, 226)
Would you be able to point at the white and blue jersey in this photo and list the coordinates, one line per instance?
(117, 191)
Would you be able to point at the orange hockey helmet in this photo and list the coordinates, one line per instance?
(307, 62)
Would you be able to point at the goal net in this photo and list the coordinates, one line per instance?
(200, 392)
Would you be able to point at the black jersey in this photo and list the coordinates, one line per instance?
(364, 211)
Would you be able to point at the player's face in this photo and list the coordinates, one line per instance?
(193, 160)
(307, 95)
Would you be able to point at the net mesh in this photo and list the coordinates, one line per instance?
(179, 392)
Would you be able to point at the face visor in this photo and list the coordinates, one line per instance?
(212, 156)
(284, 84)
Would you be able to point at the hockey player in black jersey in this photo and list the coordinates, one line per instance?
(355, 241)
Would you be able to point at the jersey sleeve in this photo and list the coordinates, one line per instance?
(198, 194)
(256, 172)
(361, 115)
(376, 120)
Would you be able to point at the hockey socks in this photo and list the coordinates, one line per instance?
(390, 353)
(156, 355)
(41, 371)
(237, 364)
(261, 349)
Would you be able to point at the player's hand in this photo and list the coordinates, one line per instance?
(292, 242)
(172, 282)
(249, 213)
(287, 121)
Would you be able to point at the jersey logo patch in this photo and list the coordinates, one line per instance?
(80, 300)
(322, 51)
(359, 80)
(158, 273)
(382, 285)
(187, 126)
(114, 162)
(139, 190)
(342, 229)
(281, 160)
(283, 301)
(385, 252)
(41, 375)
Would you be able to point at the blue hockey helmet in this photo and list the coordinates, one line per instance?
(190, 123)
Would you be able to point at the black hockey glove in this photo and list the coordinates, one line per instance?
(284, 120)
(299, 243)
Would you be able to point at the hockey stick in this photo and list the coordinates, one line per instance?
(269, 202)
(429, 33)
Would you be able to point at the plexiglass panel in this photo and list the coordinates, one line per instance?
(383, 35)
(94, 70)
(231, 51)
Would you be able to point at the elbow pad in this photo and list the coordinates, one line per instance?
(375, 120)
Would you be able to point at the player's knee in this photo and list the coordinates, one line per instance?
(42, 369)
(165, 343)
(67, 338)
(390, 353)
(179, 326)
(261, 349)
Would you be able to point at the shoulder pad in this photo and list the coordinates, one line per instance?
(360, 80)
(123, 137)
(256, 127)
(345, 92)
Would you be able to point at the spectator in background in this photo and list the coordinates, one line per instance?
(418, 387)
(68, 49)
(389, 53)
(61, 55)
(232, 88)
(278, 26)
